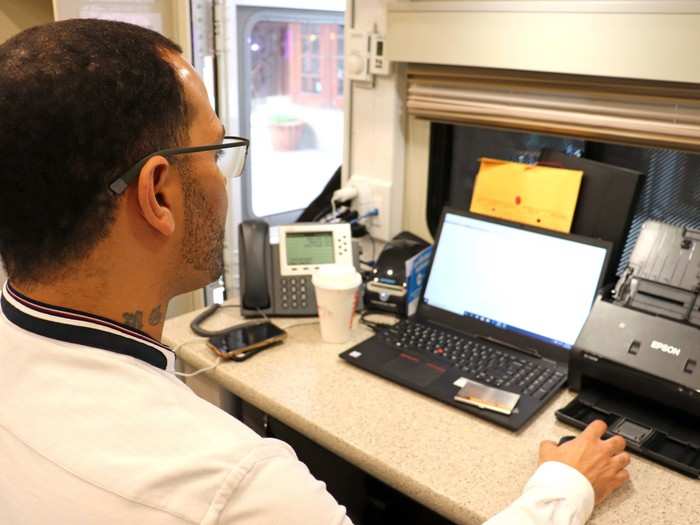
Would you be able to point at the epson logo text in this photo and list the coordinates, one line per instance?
(658, 345)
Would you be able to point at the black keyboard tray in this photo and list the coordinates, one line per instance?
(652, 430)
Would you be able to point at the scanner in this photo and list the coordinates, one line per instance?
(636, 362)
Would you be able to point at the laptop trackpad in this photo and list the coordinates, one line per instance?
(413, 370)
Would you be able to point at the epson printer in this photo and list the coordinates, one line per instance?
(636, 363)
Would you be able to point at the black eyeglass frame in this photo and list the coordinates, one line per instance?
(120, 184)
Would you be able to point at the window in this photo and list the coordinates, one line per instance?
(339, 62)
(670, 189)
(651, 127)
(292, 99)
(310, 39)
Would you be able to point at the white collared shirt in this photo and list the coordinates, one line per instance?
(95, 429)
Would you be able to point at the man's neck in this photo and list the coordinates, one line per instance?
(137, 307)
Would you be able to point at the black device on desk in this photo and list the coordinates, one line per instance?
(502, 306)
(636, 363)
(388, 288)
(276, 264)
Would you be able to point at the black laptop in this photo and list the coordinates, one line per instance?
(501, 308)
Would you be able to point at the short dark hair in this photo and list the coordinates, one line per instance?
(80, 102)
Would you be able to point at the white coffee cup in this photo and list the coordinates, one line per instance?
(336, 288)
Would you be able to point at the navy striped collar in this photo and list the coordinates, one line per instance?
(84, 329)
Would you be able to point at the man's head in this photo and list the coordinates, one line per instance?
(81, 102)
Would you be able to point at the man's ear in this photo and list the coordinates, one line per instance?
(154, 200)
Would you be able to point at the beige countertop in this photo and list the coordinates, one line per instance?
(456, 464)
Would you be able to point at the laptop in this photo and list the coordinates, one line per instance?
(501, 309)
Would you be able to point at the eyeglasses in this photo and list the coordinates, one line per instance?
(234, 164)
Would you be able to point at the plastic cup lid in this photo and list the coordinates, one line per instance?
(337, 277)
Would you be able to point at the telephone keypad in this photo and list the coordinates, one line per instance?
(295, 293)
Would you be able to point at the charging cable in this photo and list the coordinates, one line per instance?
(303, 323)
(201, 370)
(371, 213)
(345, 194)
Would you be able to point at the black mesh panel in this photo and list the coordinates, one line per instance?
(670, 191)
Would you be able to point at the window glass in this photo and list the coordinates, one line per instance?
(670, 190)
(340, 62)
(296, 115)
(472, 143)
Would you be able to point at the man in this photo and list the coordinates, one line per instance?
(98, 230)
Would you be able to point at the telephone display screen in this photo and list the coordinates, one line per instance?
(244, 337)
(307, 248)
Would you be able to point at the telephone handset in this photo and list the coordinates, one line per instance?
(253, 241)
(276, 264)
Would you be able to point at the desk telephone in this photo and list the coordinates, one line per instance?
(276, 264)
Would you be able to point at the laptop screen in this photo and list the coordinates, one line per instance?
(535, 284)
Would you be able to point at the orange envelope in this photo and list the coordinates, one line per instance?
(525, 193)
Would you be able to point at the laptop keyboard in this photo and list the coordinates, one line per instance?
(478, 360)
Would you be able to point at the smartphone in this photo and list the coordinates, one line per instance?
(245, 338)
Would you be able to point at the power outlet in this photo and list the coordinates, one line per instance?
(374, 193)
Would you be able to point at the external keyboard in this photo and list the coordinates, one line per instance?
(478, 360)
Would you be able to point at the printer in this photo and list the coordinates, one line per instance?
(636, 362)
(398, 276)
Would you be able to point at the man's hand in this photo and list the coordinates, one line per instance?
(603, 462)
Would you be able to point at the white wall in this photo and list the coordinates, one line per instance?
(17, 15)
(170, 17)
(376, 116)
(416, 178)
(636, 39)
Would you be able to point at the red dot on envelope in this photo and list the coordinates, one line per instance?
(518, 200)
